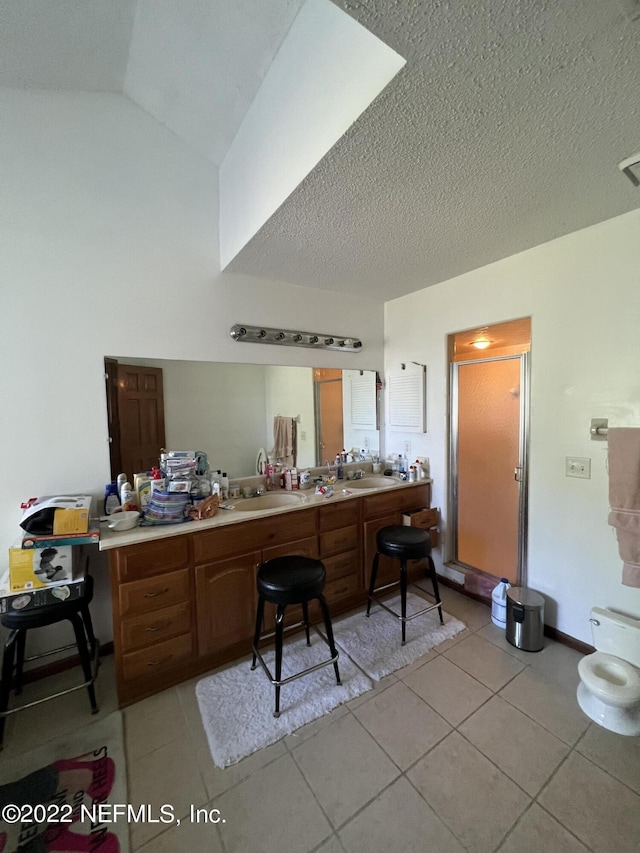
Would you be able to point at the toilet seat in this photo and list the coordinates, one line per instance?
(610, 679)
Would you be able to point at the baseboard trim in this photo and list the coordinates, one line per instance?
(549, 631)
(56, 666)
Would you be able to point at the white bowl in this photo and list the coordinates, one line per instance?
(124, 520)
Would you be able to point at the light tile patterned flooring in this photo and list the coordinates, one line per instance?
(477, 746)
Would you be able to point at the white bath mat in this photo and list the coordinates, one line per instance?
(374, 643)
(237, 704)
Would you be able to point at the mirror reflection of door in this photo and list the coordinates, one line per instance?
(135, 411)
(488, 430)
(328, 406)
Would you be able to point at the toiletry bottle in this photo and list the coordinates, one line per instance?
(128, 497)
(412, 474)
(401, 469)
(224, 487)
(419, 470)
(287, 480)
(122, 479)
(294, 479)
(339, 469)
(111, 499)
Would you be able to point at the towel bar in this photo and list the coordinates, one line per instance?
(599, 428)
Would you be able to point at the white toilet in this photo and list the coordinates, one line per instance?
(609, 689)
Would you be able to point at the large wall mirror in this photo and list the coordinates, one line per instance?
(228, 410)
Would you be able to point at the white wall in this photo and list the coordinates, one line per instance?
(583, 295)
(108, 237)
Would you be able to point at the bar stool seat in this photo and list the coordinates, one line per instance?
(283, 581)
(19, 622)
(404, 543)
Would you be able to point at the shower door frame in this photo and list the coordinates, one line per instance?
(521, 472)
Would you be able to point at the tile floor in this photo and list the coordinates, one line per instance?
(477, 746)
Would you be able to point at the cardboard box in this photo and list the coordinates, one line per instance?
(42, 568)
(33, 599)
(61, 515)
(91, 537)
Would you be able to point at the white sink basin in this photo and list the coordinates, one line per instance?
(372, 483)
(269, 502)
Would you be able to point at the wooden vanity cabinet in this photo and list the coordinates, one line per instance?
(186, 603)
(153, 604)
(340, 547)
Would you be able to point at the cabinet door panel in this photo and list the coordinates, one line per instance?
(226, 602)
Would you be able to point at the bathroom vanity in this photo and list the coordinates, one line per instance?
(184, 596)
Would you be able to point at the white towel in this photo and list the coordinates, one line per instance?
(624, 499)
(284, 441)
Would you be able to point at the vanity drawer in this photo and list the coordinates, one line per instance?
(157, 658)
(336, 541)
(213, 545)
(154, 593)
(397, 500)
(339, 515)
(136, 562)
(342, 565)
(301, 548)
(341, 588)
(149, 628)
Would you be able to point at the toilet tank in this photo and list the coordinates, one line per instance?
(615, 634)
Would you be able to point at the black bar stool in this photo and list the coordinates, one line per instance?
(291, 580)
(19, 622)
(404, 543)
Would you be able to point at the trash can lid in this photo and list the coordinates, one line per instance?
(525, 597)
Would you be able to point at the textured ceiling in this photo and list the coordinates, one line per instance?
(502, 132)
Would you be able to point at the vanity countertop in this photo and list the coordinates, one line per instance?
(306, 499)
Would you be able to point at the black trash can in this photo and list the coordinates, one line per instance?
(525, 619)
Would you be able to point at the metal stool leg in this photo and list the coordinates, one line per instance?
(85, 660)
(329, 629)
(7, 677)
(258, 631)
(372, 582)
(20, 647)
(88, 626)
(403, 599)
(279, 633)
(434, 581)
(305, 616)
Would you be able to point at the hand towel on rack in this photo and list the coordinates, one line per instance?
(284, 440)
(624, 499)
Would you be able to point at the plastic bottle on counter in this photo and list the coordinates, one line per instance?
(128, 497)
(111, 499)
(224, 486)
(295, 484)
(412, 474)
(120, 481)
(287, 480)
(419, 470)
(499, 603)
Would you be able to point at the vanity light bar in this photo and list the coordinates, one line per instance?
(289, 338)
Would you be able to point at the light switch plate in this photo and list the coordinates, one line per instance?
(578, 466)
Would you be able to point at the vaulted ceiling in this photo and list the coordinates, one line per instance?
(503, 130)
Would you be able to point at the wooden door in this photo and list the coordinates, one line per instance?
(136, 417)
(330, 427)
(226, 603)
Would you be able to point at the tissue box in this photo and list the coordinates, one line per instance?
(33, 599)
(42, 568)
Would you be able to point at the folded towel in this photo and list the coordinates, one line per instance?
(284, 440)
(624, 499)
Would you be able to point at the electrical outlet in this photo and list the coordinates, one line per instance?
(407, 449)
(578, 466)
(365, 443)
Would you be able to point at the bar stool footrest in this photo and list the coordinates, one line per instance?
(290, 678)
(373, 597)
(95, 664)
